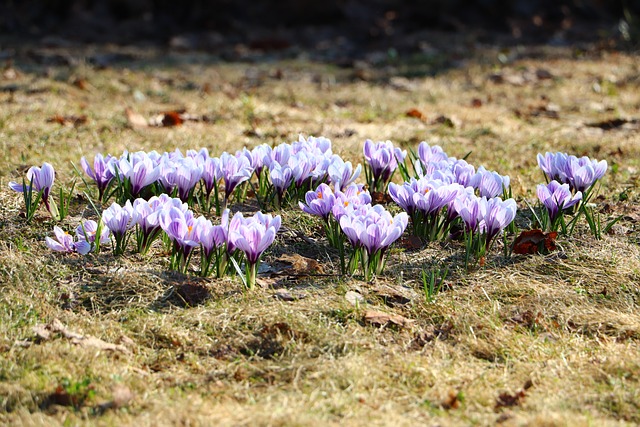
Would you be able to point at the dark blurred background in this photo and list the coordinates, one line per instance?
(273, 23)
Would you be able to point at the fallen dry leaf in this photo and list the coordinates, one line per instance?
(136, 120)
(415, 113)
(71, 121)
(452, 401)
(46, 332)
(535, 242)
(354, 298)
(167, 119)
(378, 318)
(507, 399)
(299, 265)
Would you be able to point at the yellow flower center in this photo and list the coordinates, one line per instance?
(346, 203)
(319, 195)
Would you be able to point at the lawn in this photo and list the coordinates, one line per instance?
(542, 339)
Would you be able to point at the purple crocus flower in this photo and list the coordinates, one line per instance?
(373, 230)
(179, 225)
(187, 175)
(580, 173)
(349, 199)
(234, 170)
(499, 215)
(260, 157)
(583, 172)
(433, 195)
(383, 160)
(301, 165)
(101, 173)
(87, 233)
(319, 202)
(140, 168)
(557, 197)
(42, 178)
(66, 243)
(119, 219)
(471, 210)
(146, 215)
(403, 196)
(253, 238)
(428, 154)
(341, 173)
(463, 172)
(281, 178)
(489, 184)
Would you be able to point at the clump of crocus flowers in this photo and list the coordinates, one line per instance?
(569, 188)
(161, 195)
(36, 188)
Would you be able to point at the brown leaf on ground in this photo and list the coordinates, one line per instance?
(416, 114)
(46, 332)
(71, 121)
(167, 119)
(535, 242)
(452, 401)
(451, 122)
(285, 295)
(299, 265)
(354, 298)
(507, 399)
(81, 83)
(378, 318)
(136, 120)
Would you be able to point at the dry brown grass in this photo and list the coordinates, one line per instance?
(568, 322)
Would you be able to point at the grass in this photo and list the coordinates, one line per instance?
(568, 322)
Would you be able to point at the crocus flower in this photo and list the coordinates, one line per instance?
(101, 173)
(556, 197)
(119, 219)
(146, 215)
(499, 215)
(66, 243)
(187, 175)
(351, 198)
(433, 195)
(260, 157)
(234, 171)
(141, 169)
(341, 173)
(489, 184)
(301, 165)
(88, 232)
(180, 228)
(471, 210)
(382, 159)
(281, 178)
(580, 173)
(253, 238)
(42, 179)
(428, 154)
(319, 202)
(371, 232)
